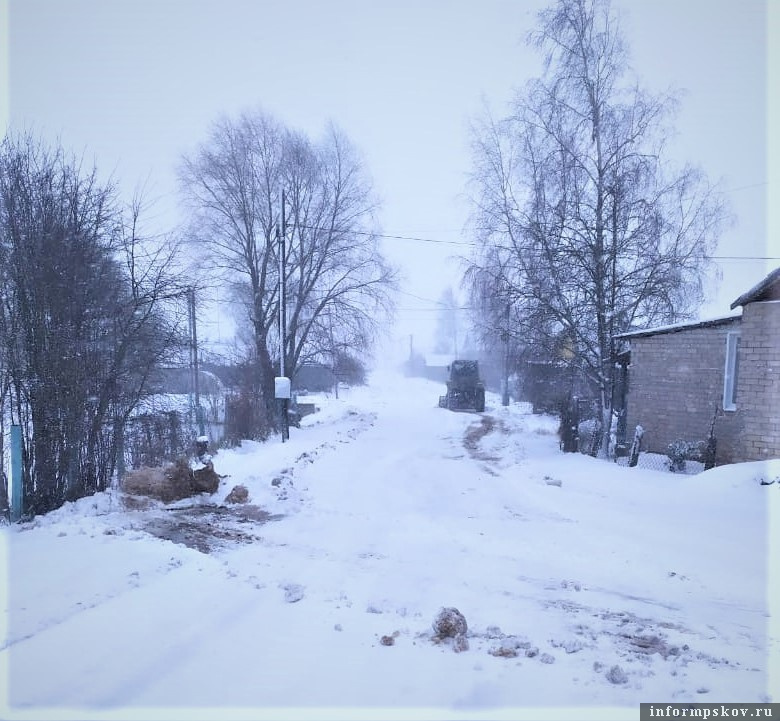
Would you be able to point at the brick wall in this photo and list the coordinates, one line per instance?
(758, 384)
(676, 385)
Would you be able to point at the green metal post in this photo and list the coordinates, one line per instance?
(16, 473)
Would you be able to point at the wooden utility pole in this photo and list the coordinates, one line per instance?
(194, 363)
(283, 314)
(505, 383)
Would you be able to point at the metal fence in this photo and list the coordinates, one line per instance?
(661, 462)
(687, 458)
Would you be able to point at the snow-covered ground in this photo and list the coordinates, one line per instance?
(587, 587)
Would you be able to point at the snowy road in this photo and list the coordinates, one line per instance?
(584, 584)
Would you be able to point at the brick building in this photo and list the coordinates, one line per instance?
(726, 371)
(758, 380)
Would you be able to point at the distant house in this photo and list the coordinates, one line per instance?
(724, 373)
(548, 384)
(313, 377)
(549, 378)
(437, 366)
(181, 381)
(173, 390)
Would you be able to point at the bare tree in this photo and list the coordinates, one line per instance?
(146, 307)
(337, 283)
(577, 210)
(78, 331)
(232, 184)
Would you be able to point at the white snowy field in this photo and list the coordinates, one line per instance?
(587, 587)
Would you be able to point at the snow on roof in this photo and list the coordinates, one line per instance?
(164, 403)
(767, 289)
(686, 325)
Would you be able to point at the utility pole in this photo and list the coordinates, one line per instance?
(505, 388)
(333, 355)
(194, 360)
(281, 237)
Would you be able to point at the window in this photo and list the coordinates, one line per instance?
(731, 372)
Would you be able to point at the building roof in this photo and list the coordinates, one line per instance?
(675, 328)
(767, 289)
(438, 360)
(181, 381)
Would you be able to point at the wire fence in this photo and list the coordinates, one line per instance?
(661, 462)
(682, 457)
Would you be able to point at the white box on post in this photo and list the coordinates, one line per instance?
(282, 387)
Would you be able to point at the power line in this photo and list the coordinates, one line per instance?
(472, 244)
(745, 257)
(425, 240)
(393, 237)
(746, 187)
(434, 310)
(419, 297)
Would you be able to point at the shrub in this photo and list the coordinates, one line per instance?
(680, 451)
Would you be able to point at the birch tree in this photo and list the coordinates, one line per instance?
(578, 211)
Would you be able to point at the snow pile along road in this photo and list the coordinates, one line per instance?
(582, 583)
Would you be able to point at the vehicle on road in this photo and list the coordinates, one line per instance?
(465, 389)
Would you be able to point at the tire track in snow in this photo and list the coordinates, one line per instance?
(80, 607)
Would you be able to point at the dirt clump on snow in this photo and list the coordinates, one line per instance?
(293, 592)
(504, 652)
(449, 622)
(650, 644)
(450, 625)
(512, 647)
(460, 643)
(617, 675)
(239, 494)
(390, 640)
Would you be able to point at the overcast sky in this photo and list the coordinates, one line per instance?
(133, 84)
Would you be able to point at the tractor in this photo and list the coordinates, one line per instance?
(465, 390)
